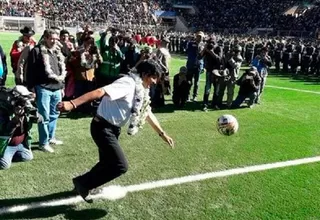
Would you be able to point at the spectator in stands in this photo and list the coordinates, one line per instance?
(3, 67)
(25, 40)
(45, 76)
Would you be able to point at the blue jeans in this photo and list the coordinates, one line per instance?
(47, 101)
(15, 153)
(194, 74)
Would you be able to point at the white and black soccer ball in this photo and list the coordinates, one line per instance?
(227, 125)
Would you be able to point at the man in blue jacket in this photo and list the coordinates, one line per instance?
(262, 62)
(195, 62)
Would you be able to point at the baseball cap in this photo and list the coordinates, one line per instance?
(22, 90)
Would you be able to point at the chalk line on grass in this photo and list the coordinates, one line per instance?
(292, 89)
(118, 192)
(286, 88)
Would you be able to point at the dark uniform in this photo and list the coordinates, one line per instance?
(177, 43)
(172, 43)
(287, 55)
(249, 52)
(243, 46)
(315, 64)
(296, 59)
(278, 55)
(306, 59)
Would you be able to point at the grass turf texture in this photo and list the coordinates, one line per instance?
(284, 127)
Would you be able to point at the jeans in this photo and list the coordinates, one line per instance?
(47, 101)
(230, 86)
(211, 80)
(112, 162)
(261, 87)
(180, 94)
(194, 73)
(15, 153)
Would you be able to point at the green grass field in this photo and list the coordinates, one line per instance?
(285, 127)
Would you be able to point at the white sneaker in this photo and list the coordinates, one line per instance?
(54, 141)
(46, 148)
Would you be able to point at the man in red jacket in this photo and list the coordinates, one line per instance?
(25, 40)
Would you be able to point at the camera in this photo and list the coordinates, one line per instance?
(10, 99)
(93, 50)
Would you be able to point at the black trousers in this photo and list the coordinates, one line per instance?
(112, 162)
(180, 94)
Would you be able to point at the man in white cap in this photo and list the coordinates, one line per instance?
(15, 131)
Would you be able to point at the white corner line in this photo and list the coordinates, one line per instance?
(212, 175)
(118, 192)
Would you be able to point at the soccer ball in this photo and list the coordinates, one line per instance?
(227, 125)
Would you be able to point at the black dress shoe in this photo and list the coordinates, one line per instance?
(83, 192)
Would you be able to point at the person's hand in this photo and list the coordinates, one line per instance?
(65, 106)
(168, 140)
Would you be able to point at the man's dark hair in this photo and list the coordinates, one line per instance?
(149, 68)
(113, 40)
(49, 32)
(63, 32)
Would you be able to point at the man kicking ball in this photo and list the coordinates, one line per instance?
(126, 99)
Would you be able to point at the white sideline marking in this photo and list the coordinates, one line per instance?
(284, 88)
(292, 89)
(118, 192)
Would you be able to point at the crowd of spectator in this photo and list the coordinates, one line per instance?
(237, 14)
(115, 11)
(212, 14)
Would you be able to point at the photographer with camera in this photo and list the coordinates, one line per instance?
(232, 64)
(249, 84)
(109, 69)
(131, 54)
(212, 61)
(15, 129)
